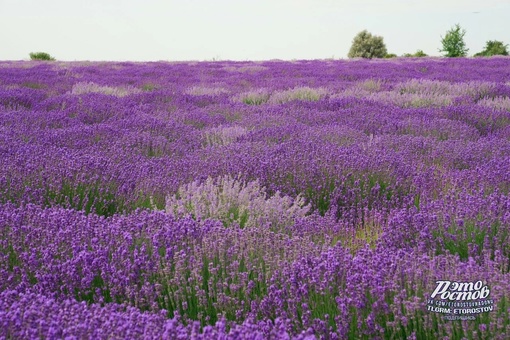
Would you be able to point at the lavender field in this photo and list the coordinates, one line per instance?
(253, 200)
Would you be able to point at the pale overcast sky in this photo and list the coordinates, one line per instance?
(238, 29)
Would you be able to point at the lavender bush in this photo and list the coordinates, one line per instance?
(231, 201)
(305, 199)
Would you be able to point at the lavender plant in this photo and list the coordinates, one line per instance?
(231, 200)
(297, 93)
(304, 199)
(90, 87)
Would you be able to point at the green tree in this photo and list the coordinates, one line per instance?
(493, 48)
(366, 45)
(41, 56)
(417, 54)
(453, 42)
(420, 54)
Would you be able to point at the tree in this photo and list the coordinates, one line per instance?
(417, 54)
(453, 42)
(41, 56)
(493, 48)
(366, 45)
(420, 54)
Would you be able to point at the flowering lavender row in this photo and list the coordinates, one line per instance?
(206, 272)
(36, 316)
(257, 200)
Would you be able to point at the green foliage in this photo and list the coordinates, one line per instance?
(417, 54)
(41, 56)
(390, 55)
(493, 47)
(366, 45)
(420, 54)
(453, 42)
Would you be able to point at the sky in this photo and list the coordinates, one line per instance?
(179, 30)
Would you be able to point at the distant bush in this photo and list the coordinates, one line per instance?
(453, 42)
(420, 54)
(390, 55)
(417, 54)
(41, 56)
(366, 45)
(493, 48)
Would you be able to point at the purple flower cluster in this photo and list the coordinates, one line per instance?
(307, 199)
(31, 316)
